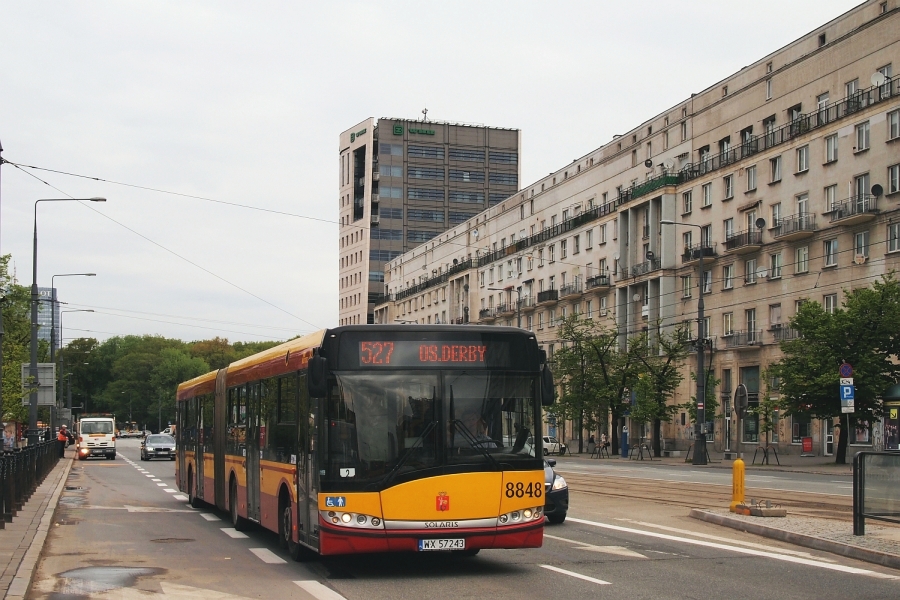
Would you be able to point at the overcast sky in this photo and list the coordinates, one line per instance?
(242, 103)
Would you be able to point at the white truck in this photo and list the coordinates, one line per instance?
(96, 437)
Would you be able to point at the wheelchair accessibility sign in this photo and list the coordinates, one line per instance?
(335, 501)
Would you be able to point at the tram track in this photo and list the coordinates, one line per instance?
(708, 495)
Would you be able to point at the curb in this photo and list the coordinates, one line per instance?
(18, 587)
(799, 539)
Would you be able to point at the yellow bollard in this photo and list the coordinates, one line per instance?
(737, 484)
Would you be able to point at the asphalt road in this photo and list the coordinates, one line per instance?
(120, 533)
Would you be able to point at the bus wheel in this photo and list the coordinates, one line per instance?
(296, 550)
(192, 497)
(237, 521)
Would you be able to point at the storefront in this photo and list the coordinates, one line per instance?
(891, 423)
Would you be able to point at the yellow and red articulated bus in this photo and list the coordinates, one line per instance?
(375, 438)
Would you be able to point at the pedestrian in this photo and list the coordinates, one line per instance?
(62, 438)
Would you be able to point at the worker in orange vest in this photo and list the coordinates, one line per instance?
(61, 438)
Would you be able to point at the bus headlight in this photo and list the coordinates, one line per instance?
(356, 520)
(521, 516)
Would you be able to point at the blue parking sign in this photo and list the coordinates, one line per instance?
(846, 392)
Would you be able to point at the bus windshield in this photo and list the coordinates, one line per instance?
(381, 425)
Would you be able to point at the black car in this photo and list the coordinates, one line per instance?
(158, 446)
(556, 494)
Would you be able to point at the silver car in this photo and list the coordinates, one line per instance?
(158, 446)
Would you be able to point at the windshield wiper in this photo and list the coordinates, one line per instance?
(476, 443)
(417, 445)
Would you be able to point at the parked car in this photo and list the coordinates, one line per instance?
(553, 446)
(556, 494)
(158, 446)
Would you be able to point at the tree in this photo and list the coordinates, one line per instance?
(661, 356)
(15, 301)
(864, 332)
(765, 411)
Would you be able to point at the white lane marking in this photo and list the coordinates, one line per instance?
(575, 575)
(180, 497)
(717, 538)
(317, 590)
(155, 479)
(233, 533)
(185, 592)
(170, 490)
(148, 475)
(162, 484)
(267, 556)
(209, 516)
(752, 552)
(617, 550)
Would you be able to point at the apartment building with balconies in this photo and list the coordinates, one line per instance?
(782, 179)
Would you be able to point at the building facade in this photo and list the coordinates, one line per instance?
(46, 319)
(784, 179)
(403, 183)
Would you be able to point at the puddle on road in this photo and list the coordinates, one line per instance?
(82, 582)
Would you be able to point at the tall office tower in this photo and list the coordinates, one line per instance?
(48, 302)
(406, 182)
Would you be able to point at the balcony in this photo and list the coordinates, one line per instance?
(693, 253)
(571, 290)
(648, 266)
(547, 297)
(855, 210)
(744, 242)
(743, 339)
(506, 310)
(597, 281)
(527, 303)
(486, 314)
(795, 227)
(783, 334)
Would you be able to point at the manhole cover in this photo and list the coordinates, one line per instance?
(171, 540)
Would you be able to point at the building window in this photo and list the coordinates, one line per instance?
(728, 181)
(684, 133)
(830, 252)
(707, 194)
(893, 121)
(552, 255)
(728, 277)
(776, 264)
(686, 286)
(589, 309)
(687, 237)
(831, 148)
(576, 244)
(728, 323)
(588, 239)
(563, 249)
(861, 243)
(862, 136)
(801, 262)
(750, 271)
(829, 302)
(776, 214)
(603, 233)
(775, 169)
(803, 159)
(893, 237)
(775, 315)
(687, 202)
(768, 89)
(831, 197)
(861, 434)
(729, 228)
(893, 179)
(750, 319)
(706, 281)
(801, 427)
(751, 178)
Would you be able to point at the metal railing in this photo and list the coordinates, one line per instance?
(21, 471)
(739, 339)
(648, 266)
(749, 237)
(795, 224)
(855, 205)
(570, 289)
(693, 252)
(597, 281)
(487, 313)
(783, 334)
(548, 296)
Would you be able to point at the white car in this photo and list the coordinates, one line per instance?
(553, 446)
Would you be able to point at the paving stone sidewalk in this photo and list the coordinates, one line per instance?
(880, 545)
(22, 541)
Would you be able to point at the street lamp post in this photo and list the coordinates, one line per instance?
(518, 291)
(62, 362)
(33, 433)
(699, 457)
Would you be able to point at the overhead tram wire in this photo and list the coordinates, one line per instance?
(172, 252)
(525, 252)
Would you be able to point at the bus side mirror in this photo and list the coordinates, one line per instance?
(317, 382)
(548, 390)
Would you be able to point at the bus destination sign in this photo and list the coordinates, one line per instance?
(410, 353)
